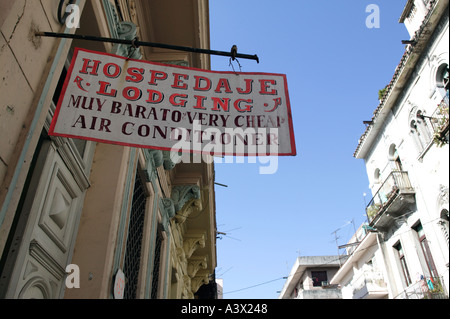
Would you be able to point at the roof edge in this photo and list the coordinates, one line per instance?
(412, 50)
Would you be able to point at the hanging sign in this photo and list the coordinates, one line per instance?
(111, 99)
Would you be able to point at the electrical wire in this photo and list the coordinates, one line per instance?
(254, 286)
(325, 264)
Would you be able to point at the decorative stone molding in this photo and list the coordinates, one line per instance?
(201, 279)
(169, 160)
(443, 224)
(177, 62)
(40, 254)
(443, 195)
(442, 204)
(181, 255)
(193, 206)
(112, 17)
(153, 159)
(186, 199)
(167, 212)
(183, 193)
(192, 243)
(121, 30)
(132, 10)
(38, 287)
(195, 264)
(168, 206)
(187, 291)
(156, 157)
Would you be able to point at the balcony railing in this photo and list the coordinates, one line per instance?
(439, 121)
(396, 184)
(426, 288)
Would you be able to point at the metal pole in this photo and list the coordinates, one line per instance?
(137, 43)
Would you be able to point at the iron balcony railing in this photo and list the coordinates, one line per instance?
(440, 120)
(425, 288)
(395, 183)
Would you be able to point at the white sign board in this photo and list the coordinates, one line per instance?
(111, 99)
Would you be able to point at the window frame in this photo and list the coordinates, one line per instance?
(319, 274)
(428, 257)
(403, 264)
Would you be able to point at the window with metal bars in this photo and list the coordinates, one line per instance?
(157, 263)
(134, 239)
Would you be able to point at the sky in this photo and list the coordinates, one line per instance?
(335, 66)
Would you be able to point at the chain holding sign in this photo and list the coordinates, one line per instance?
(111, 99)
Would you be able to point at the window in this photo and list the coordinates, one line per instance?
(377, 176)
(442, 80)
(426, 250)
(421, 129)
(404, 266)
(157, 263)
(394, 158)
(134, 239)
(318, 278)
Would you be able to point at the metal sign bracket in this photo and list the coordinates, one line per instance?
(137, 43)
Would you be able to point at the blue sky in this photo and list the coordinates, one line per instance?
(335, 66)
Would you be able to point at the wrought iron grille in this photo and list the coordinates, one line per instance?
(425, 288)
(134, 239)
(156, 264)
(396, 182)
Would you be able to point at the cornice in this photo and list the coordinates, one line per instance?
(402, 74)
(406, 10)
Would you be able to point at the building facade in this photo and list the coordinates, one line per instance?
(363, 274)
(80, 219)
(405, 149)
(310, 278)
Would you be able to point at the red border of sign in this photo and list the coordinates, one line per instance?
(69, 74)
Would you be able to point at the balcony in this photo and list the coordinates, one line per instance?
(392, 200)
(370, 284)
(329, 293)
(439, 121)
(427, 288)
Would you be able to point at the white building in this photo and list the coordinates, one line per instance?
(310, 276)
(362, 276)
(219, 283)
(405, 148)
